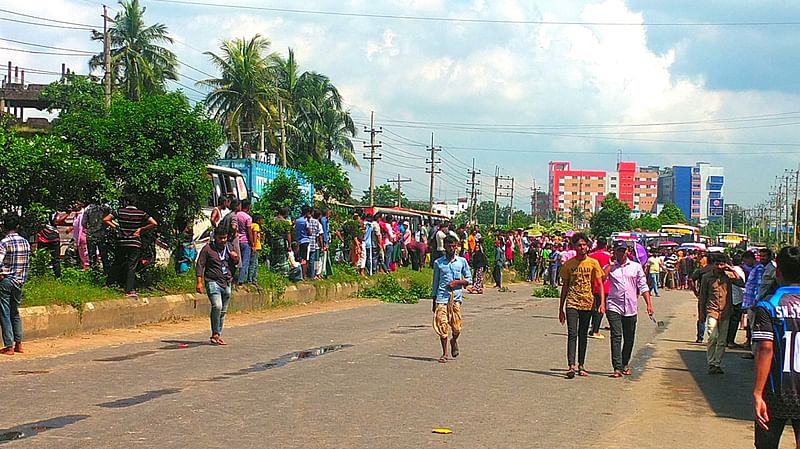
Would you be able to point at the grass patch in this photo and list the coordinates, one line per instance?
(46, 290)
(547, 291)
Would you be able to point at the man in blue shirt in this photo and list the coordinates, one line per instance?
(301, 235)
(776, 328)
(450, 275)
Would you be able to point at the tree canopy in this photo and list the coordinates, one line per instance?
(671, 214)
(646, 222)
(385, 195)
(614, 216)
(329, 179)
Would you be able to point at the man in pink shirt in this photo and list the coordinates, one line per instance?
(627, 281)
(603, 257)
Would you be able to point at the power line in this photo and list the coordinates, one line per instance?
(48, 19)
(61, 27)
(31, 44)
(482, 21)
(42, 52)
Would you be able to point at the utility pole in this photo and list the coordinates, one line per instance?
(796, 192)
(511, 205)
(500, 191)
(535, 202)
(106, 58)
(433, 170)
(372, 157)
(284, 162)
(399, 181)
(473, 191)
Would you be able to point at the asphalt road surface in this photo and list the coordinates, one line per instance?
(366, 378)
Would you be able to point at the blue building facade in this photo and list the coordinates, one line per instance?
(697, 190)
(259, 174)
(682, 189)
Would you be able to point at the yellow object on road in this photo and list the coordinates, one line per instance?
(442, 430)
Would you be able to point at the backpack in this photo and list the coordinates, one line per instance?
(93, 220)
(227, 223)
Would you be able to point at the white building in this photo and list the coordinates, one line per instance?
(449, 209)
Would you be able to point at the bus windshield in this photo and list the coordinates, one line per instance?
(681, 234)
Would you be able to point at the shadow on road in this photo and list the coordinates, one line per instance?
(554, 372)
(727, 394)
(414, 357)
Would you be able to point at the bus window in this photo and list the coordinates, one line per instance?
(216, 190)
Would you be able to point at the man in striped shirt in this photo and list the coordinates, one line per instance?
(15, 254)
(131, 222)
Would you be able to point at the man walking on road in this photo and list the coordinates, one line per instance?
(215, 274)
(15, 256)
(775, 329)
(716, 307)
(450, 275)
(627, 281)
(578, 275)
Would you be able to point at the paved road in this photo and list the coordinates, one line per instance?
(378, 387)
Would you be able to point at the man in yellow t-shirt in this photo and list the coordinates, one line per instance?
(252, 270)
(578, 275)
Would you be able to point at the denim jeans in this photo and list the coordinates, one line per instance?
(701, 330)
(771, 439)
(10, 322)
(372, 260)
(577, 334)
(623, 331)
(313, 261)
(219, 298)
(244, 257)
(252, 270)
(532, 272)
(387, 258)
(654, 283)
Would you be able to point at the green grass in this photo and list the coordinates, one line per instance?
(44, 291)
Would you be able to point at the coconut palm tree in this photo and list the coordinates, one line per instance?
(139, 65)
(244, 96)
(318, 125)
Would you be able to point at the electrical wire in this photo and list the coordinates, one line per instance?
(47, 25)
(33, 52)
(47, 19)
(31, 44)
(483, 21)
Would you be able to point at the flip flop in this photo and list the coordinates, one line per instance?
(627, 371)
(582, 372)
(442, 360)
(571, 373)
(616, 374)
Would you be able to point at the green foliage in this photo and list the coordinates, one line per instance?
(283, 191)
(671, 214)
(44, 173)
(74, 93)
(385, 195)
(646, 222)
(328, 178)
(351, 229)
(547, 291)
(614, 216)
(388, 289)
(485, 213)
(40, 263)
(712, 229)
(157, 148)
(521, 219)
(72, 290)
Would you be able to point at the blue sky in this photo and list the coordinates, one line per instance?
(514, 95)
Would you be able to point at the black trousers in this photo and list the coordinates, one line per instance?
(771, 439)
(54, 248)
(623, 332)
(597, 317)
(733, 326)
(95, 245)
(577, 334)
(497, 274)
(128, 257)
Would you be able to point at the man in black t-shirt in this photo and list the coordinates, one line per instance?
(776, 331)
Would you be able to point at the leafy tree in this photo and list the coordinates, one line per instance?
(385, 195)
(139, 65)
(157, 148)
(243, 97)
(74, 93)
(521, 219)
(613, 216)
(283, 191)
(44, 174)
(671, 214)
(712, 229)
(646, 222)
(485, 213)
(418, 205)
(328, 179)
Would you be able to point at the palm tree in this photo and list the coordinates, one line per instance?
(243, 97)
(139, 65)
(318, 125)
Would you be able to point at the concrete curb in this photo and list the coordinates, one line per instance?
(56, 320)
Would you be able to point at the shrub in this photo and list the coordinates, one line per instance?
(547, 291)
(389, 290)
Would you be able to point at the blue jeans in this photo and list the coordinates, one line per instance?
(252, 269)
(10, 322)
(532, 273)
(219, 297)
(372, 260)
(244, 255)
(313, 260)
(654, 283)
(387, 257)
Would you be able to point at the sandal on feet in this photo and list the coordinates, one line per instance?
(571, 373)
(582, 372)
(627, 371)
(616, 374)
(442, 359)
(454, 349)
